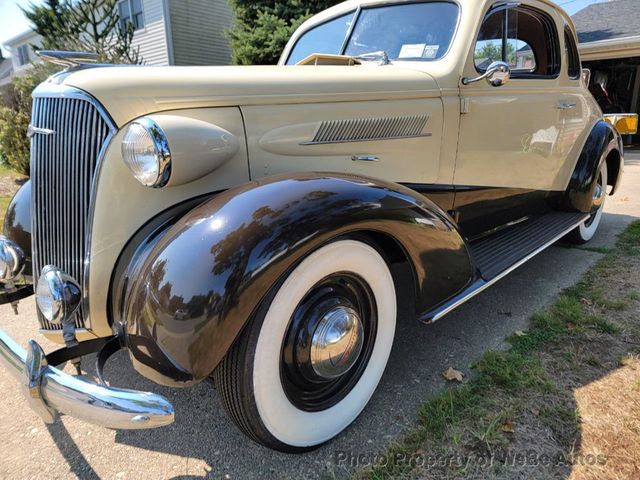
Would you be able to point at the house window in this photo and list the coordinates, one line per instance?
(22, 55)
(131, 12)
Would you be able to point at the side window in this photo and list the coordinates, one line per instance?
(325, 38)
(573, 58)
(524, 38)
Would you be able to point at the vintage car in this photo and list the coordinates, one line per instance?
(240, 223)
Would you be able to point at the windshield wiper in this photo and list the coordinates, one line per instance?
(381, 56)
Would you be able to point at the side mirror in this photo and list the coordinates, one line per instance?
(498, 74)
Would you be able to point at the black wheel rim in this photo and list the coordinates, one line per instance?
(304, 387)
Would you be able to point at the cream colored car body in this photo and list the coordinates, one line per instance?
(274, 111)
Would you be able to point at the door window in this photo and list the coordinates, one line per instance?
(523, 37)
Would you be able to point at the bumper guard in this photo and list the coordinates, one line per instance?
(50, 391)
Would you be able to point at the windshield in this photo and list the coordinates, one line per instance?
(413, 31)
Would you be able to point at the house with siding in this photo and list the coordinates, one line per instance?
(22, 55)
(179, 32)
(6, 71)
(609, 35)
(167, 32)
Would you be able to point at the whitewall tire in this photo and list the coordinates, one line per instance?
(587, 229)
(313, 355)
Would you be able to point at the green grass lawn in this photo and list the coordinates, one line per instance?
(565, 391)
(5, 171)
(4, 204)
(10, 182)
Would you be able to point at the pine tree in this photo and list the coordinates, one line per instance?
(262, 28)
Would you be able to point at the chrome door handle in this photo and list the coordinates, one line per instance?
(566, 105)
(365, 158)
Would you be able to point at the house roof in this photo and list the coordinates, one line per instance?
(25, 37)
(608, 20)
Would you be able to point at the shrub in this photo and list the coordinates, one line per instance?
(15, 114)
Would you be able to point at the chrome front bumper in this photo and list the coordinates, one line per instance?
(50, 391)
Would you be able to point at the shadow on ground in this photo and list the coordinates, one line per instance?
(203, 431)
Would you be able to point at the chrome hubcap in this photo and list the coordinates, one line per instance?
(329, 342)
(598, 195)
(336, 343)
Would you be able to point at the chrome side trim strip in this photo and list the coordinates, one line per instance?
(367, 140)
(480, 285)
(369, 129)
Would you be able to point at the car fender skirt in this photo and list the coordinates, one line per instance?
(601, 142)
(201, 282)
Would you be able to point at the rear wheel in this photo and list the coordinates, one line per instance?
(587, 229)
(312, 356)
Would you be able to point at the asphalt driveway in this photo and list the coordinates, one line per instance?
(204, 442)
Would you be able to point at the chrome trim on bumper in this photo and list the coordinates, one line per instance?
(50, 391)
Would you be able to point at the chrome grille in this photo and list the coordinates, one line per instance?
(63, 165)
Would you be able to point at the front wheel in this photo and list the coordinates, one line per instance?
(587, 229)
(307, 364)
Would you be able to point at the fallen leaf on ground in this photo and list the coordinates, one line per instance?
(571, 326)
(507, 427)
(520, 333)
(586, 301)
(452, 374)
(535, 412)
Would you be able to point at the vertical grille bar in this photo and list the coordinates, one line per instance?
(63, 166)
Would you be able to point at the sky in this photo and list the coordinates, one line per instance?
(12, 21)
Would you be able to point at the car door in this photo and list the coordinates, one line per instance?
(508, 152)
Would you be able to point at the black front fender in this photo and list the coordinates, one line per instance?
(17, 224)
(201, 282)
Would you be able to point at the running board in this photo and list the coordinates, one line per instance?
(499, 254)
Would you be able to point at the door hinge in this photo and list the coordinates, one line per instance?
(455, 214)
(465, 103)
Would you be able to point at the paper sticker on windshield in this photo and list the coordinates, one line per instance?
(430, 51)
(412, 50)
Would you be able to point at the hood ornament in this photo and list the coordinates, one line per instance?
(67, 59)
(33, 131)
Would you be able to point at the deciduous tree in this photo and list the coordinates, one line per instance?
(84, 26)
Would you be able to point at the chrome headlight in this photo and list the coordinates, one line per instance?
(145, 151)
(57, 294)
(11, 259)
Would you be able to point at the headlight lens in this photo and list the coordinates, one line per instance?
(146, 153)
(57, 295)
(48, 299)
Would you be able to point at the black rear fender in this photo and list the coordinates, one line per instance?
(604, 144)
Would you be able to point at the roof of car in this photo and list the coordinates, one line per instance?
(605, 21)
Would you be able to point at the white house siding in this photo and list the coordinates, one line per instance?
(198, 31)
(28, 39)
(152, 39)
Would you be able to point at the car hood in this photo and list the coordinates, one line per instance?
(128, 92)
